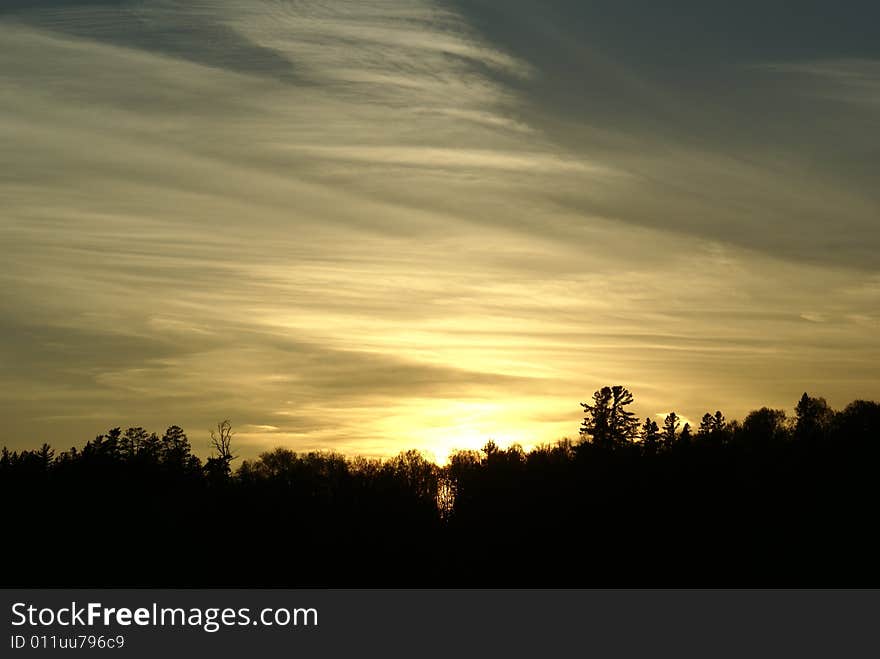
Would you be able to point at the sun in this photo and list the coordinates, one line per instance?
(444, 426)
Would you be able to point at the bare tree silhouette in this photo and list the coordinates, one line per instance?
(218, 466)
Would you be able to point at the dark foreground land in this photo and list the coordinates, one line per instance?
(769, 501)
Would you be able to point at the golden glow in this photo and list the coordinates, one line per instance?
(395, 244)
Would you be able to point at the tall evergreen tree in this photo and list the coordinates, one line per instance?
(607, 421)
(670, 429)
(707, 424)
(650, 436)
(175, 451)
(685, 437)
(131, 442)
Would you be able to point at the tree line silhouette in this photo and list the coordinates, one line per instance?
(771, 500)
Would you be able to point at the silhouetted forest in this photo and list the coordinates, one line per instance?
(771, 500)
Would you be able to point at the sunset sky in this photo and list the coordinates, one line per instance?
(370, 225)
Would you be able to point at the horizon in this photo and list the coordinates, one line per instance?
(384, 225)
(249, 454)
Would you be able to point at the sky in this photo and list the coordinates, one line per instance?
(373, 225)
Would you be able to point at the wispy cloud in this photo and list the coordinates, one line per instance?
(370, 225)
(851, 80)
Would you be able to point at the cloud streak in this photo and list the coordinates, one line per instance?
(375, 225)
